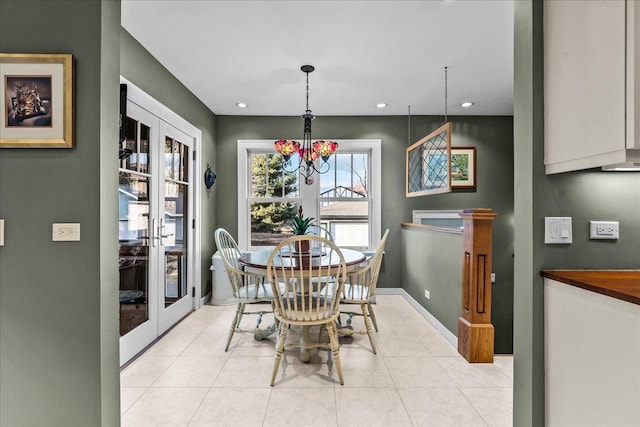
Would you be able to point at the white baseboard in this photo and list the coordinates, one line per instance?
(449, 336)
(205, 299)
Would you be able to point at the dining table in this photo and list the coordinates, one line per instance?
(256, 262)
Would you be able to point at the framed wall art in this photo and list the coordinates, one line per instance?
(463, 167)
(37, 100)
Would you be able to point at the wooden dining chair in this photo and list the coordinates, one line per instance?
(248, 288)
(360, 289)
(308, 298)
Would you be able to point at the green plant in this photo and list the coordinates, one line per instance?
(300, 224)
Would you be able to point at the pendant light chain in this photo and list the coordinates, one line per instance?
(409, 125)
(445, 94)
(307, 90)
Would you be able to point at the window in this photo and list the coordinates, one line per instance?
(345, 200)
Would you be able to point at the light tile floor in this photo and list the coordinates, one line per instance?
(416, 379)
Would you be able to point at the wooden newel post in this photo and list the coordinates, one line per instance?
(475, 331)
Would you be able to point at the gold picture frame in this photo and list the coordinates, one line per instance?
(37, 100)
(463, 167)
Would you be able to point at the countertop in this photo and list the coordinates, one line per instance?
(620, 284)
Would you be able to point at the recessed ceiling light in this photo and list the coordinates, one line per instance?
(241, 105)
(466, 104)
(381, 105)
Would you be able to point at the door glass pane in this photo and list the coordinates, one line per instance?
(174, 228)
(133, 237)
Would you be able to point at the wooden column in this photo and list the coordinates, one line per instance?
(475, 331)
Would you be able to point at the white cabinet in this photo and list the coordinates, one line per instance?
(591, 84)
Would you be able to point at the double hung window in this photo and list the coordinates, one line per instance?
(345, 199)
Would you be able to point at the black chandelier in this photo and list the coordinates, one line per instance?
(307, 152)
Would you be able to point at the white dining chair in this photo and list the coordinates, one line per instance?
(310, 295)
(248, 288)
(360, 289)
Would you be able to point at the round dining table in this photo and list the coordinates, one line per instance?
(256, 261)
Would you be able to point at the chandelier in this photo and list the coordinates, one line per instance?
(307, 152)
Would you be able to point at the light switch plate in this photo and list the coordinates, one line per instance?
(1, 232)
(558, 230)
(66, 232)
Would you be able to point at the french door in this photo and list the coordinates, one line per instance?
(155, 198)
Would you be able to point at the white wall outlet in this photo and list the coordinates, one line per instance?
(427, 294)
(66, 232)
(604, 230)
(558, 230)
(493, 277)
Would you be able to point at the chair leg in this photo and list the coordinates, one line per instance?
(373, 316)
(367, 324)
(282, 335)
(335, 349)
(234, 324)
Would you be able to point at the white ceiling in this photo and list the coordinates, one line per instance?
(364, 52)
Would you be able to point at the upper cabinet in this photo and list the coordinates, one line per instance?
(591, 84)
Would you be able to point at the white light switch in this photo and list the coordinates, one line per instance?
(558, 230)
(1, 232)
(66, 232)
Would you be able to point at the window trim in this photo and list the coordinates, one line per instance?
(374, 146)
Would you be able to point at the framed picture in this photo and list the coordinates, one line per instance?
(37, 100)
(463, 167)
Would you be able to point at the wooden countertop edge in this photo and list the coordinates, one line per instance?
(564, 276)
(426, 227)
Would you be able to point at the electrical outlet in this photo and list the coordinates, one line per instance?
(604, 230)
(427, 294)
(493, 277)
(66, 232)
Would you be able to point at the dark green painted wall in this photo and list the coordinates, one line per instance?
(58, 300)
(493, 137)
(433, 261)
(142, 69)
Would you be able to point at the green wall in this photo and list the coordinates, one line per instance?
(142, 69)
(493, 138)
(433, 260)
(58, 300)
(585, 195)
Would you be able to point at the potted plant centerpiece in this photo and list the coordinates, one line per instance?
(300, 226)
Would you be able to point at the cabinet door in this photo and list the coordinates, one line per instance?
(584, 83)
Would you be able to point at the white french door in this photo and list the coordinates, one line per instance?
(156, 206)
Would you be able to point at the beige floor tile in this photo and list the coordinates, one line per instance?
(164, 407)
(244, 407)
(145, 370)
(401, 345)
(128, 396)
(192, 371)
(319, 372)
(209, 343)
(292, 407)
(440, 407)
(437, 345)
(251, 371)
(466, 375)
(370, 407)
(190, 325)
(505, 364)
(172, 344)
(367, 371)
(494, 404)
(248, 346)
(417, 372)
